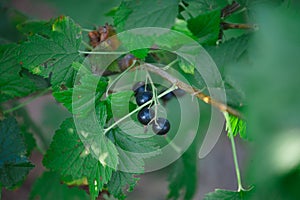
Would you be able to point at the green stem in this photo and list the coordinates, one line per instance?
(137, 109)
(27, 101)
(87, 45)
(175, 147)
(170, 64)
(235, 160)
(185, 8)
(103, 52)
(87, 30)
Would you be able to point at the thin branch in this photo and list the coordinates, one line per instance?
(41, 93)
(193, 91)
(226, 26)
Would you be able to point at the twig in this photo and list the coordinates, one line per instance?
(226, 26)
(193, 91)
(229, 9)
(41, 93)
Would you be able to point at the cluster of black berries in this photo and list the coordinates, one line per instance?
(146, 116)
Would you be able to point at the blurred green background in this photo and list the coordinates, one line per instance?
(269, 76)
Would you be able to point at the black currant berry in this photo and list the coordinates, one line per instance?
(176, 93)
(161, 126)
(143, 97)
(145, 115)
(140, 87)
(167, 96)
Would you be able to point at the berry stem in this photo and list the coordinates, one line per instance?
(27, 101)
(235, 160)
(170, 64)
(138, 109)
(154, 91)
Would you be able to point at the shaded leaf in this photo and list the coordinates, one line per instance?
(206, 26)
(12, 83)
(36, 27)
(183, 176)
(229, 51)
(14, 165)
(49, 187)
(119, 181)
(132, 14)
(219, 194)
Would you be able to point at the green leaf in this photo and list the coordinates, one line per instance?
(121, 15)
(64, 97)
(235, 97)
(119, 181)
(119, 103)
(12, 84)
(229, 51)
(140, 53)
(29, 141)
(36, 27)
(48, 187)
(219, 194)
(14, 165)
(134, 14)
(181, 26)
(206, 26)
(53, 53)
(88, 91)
(133, 150)
(238, 126)
(186, 66)
(183, 177)
(196, 7)
(68, 155)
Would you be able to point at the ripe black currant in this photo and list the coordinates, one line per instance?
(145, 115)
(176, 93)
(161, 126)
(143, 97)
(140, 87)
(167, 96)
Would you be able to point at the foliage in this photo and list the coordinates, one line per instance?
(14, 164)
(102, 146)
(48, 186)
